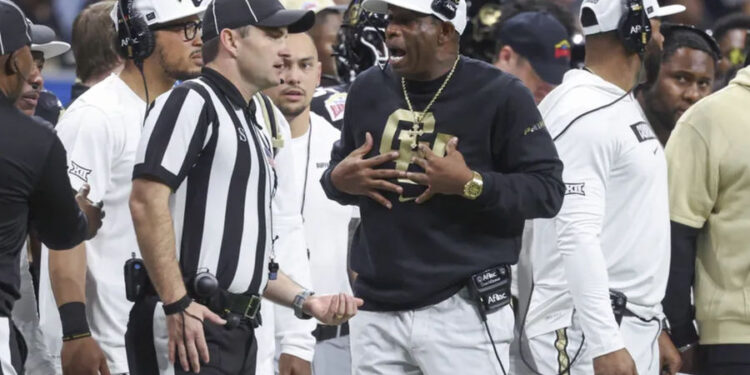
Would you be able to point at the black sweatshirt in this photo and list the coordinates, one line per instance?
(418, 255)
(35, 190)
(677, 303)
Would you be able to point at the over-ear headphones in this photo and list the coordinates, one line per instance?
(634, 28)
(446, 8)
(136, 41)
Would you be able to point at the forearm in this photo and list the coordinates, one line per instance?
(588, 282)
(677, 303)
(334, 193)
(153, 227)
(282, 290)
(67, 270)
(529, 195)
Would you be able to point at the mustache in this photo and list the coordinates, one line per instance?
(294, 88)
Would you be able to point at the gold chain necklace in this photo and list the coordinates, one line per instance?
(416, 129)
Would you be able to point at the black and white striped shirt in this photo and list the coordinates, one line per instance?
(208, 145)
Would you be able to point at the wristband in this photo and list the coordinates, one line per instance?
(73, 319)
(178, 306)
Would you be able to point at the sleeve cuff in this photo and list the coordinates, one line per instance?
(684, 334)
(614, 344)
(159, 174)
(306, 354)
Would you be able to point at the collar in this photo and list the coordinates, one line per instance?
(227, 88)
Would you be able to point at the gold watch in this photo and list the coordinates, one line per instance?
(473, 188)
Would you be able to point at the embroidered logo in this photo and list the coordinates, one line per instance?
(562, 49)
(643, 131)
(79, 171)
(575, 189)
(335, 106)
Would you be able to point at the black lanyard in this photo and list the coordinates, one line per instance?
(307, 170)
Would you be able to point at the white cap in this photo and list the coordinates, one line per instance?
(43, 40)
(163, 11)
(424, 7)
(654, 10)
(313, 5)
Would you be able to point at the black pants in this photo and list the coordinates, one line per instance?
(725, 359)
(14, 354)
(231, 352)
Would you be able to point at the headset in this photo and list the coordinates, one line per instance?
(135, 39)
(634, 28)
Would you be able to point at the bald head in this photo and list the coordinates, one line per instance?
(301, 75)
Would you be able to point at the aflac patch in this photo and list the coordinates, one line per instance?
(335, 106)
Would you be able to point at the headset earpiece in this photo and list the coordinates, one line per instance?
(634, 28)
(137, 42)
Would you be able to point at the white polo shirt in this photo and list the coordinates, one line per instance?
(326, 221)
(100, 132)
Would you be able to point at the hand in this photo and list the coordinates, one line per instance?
(355, 175)
(83, 357)
(669, 358)
(186, 337)
(446, 175)
(332, 309)
(291, 365)
(616, 363)
(93, 211)
(690, 361)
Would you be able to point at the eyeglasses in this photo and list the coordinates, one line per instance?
(189, 29)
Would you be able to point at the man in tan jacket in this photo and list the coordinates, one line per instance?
(709, 185)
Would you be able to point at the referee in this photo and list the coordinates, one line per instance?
(34, 187)
(465, 172)
(203, 185)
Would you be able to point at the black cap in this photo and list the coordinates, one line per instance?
(232, 14)
(14, 31)
(541, 39)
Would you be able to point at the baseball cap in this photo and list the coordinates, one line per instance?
(654, 10)
(14, 30)
(162, 11)
(609, 12)
(458, 7)
(231, 14)
(313, 5)
(541, 39)
(43, 40)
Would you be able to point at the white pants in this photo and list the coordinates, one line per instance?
(448, 338)
(554, 352)
(333, 357)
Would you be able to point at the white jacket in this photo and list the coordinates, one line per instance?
(613, 229)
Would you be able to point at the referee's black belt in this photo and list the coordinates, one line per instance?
(323, 333)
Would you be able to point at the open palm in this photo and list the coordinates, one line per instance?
(332, 309)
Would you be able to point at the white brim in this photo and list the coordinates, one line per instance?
(51, 49)
(669, 10)
(381, 6)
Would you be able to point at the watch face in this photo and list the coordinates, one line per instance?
(474, 190)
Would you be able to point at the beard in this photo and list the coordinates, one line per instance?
(291, 110)
(178, 69)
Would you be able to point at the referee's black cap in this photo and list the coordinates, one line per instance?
(14, 31)
(232, 14)
(541, 39)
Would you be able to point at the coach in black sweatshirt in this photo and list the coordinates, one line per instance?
(446, 157)
(413, 253)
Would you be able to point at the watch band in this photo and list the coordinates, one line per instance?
(299, 300)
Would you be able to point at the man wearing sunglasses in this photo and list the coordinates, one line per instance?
(100, 132)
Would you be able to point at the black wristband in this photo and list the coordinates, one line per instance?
(178, 306)
(73, 319)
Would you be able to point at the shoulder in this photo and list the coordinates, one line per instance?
(323, 126)
(25, 129)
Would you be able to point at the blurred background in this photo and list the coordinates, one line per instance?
(59, 74)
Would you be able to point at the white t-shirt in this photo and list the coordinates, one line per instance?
(326, 222)
(100, 132)
(613, 229)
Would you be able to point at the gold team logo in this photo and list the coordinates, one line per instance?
(400, 127)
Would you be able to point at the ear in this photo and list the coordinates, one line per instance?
(507, 55)
(9, 68)
(446, 32)
(229, 40)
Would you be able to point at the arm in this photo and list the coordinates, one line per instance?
(527, 179)
(341, 149)
(293, 335)
(693, 189)
(588, 156)
(58, 221)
